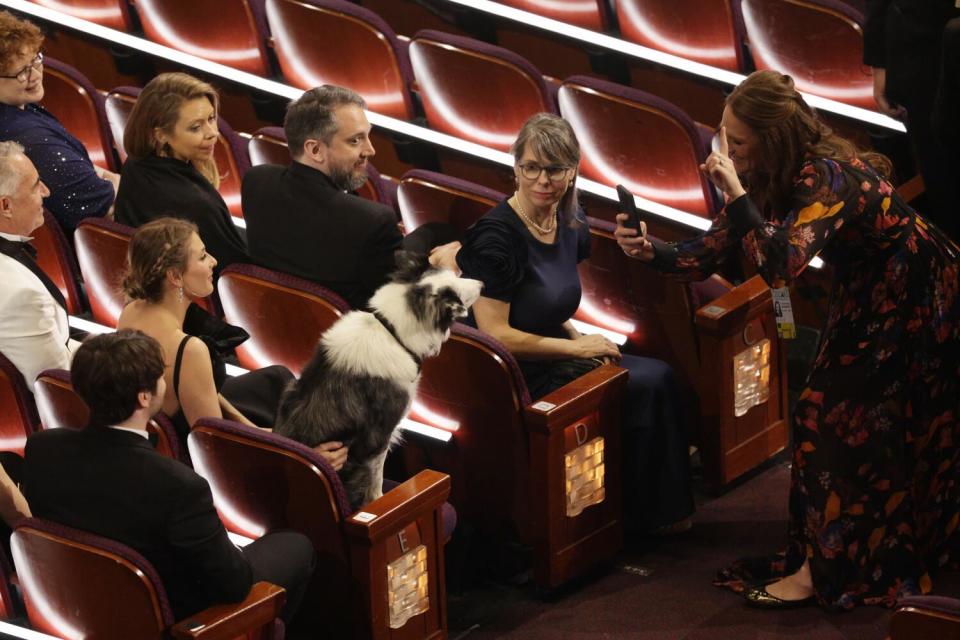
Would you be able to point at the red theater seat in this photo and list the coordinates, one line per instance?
(230, 32)
(698, 328)
(269, 146)
(55, 257)
(79, 585)
(19, 418)
(474, 90)
(60, 407)
(425, 196)
(102, 253)
(230, 152)
(284, 315)
(631, 137)
(110, 13)
(511, 461)
(925, 617)
(817, 42)
(263, 482)
(706, 31)
(351, 34)
(70, 97)
(589, 14)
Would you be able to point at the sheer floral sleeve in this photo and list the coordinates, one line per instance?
(700, 256)
(825, 198)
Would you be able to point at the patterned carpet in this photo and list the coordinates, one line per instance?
(661, 589)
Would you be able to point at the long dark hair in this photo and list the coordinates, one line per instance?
(788, 132)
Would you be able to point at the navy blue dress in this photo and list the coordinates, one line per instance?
(541, 283)
(76, 192)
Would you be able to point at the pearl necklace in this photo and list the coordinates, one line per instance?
(542, 230)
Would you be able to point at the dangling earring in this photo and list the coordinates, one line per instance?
(179, 294)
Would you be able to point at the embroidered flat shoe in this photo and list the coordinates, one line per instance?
(760, 598)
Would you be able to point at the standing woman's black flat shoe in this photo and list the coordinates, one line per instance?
(760, 598)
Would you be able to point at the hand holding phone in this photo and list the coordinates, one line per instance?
(629, 207)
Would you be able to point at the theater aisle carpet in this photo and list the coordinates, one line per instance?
(661, 590)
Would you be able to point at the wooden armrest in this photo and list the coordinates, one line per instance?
(560, 407)
(424, 492)
(227, 621)
(728, 313)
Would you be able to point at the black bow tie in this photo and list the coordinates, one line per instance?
(28, 249)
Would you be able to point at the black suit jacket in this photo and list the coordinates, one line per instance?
(299, 223)
(114, 484)
(154, 187)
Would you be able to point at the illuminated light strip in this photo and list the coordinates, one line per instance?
(617, 45)
(27, 634)
(239, 540)
(425, 430)
(584, 327)
(442, 422)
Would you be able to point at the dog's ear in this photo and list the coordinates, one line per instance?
(410, 266)
(449, 309)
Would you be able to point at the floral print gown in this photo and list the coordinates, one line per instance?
(875, 483)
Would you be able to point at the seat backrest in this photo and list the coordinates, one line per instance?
(249, 469)
(589, 15)
(230, 153)
(114, 14)
(55, 257)
(18, 418)
(425, 196)
(817, 42)
(118, 104)
(474, 388)
(230, 32)
(268, 145)
(78, 585)
(474, 90)
(60, 407)
(706, 31)
(102, 253)
(79, 107)
(631, 137)
(284, 315)
(925, 617)
(58, 404)
(350, 33)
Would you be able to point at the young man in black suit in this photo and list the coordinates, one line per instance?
(304, 219)
(108, 479)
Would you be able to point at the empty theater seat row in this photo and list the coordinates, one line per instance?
(819, 42)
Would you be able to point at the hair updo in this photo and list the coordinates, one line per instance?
(155, 248)
(788, 132)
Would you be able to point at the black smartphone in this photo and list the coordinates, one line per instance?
(629, 207)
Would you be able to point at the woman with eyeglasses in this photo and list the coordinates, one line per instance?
(78, 188)
(526, 250)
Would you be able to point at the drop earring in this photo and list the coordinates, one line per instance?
(179, 294)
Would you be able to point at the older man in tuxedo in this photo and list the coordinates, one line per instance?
(34, 334)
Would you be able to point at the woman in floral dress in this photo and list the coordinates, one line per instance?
(875, 486)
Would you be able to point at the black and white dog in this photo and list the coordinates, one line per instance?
(363, 376)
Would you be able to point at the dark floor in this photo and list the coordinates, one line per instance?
(662, 590)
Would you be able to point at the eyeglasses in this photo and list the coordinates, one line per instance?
(24, 74)
(532, 171)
